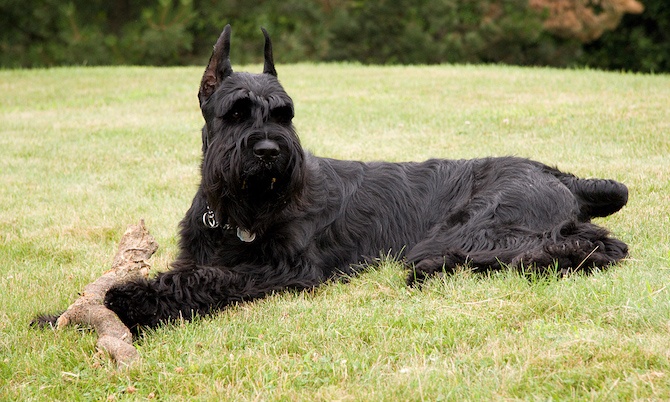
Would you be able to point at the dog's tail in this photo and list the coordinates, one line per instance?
(597, 197)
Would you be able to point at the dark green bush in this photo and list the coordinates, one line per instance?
(171, 32)
(640, 43)
(428, 31)
(52, 32)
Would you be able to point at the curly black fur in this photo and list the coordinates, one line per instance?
(313, 219)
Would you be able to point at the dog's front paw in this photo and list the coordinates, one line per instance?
(135, 303)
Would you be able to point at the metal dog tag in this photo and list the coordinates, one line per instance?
(209, 220)
(245, 236)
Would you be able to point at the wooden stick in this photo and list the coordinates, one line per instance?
(135, 248)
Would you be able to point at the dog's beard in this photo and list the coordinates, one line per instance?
(263, 179)
(246, 191)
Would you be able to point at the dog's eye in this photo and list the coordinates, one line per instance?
(282, 114)
(236, 115)
(239, 111)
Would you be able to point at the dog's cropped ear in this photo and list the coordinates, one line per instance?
(218, 68)
(269, 66)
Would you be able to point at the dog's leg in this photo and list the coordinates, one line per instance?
(182, 293)
(572, 246)
(179, 293)
(428, 267)
(450, 245)
(575, 246)
(188, 290)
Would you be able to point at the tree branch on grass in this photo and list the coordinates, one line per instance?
(135, 248)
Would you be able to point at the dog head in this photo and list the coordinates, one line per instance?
(252, 157)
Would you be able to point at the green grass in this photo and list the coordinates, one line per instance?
(86, 151)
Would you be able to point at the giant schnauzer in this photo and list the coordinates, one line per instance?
(269, 216)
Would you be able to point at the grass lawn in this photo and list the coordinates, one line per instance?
(86, 151)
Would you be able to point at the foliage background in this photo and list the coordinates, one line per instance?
(181, 32)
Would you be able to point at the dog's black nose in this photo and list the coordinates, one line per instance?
(266, 149)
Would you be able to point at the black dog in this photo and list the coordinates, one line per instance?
(269, 216)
